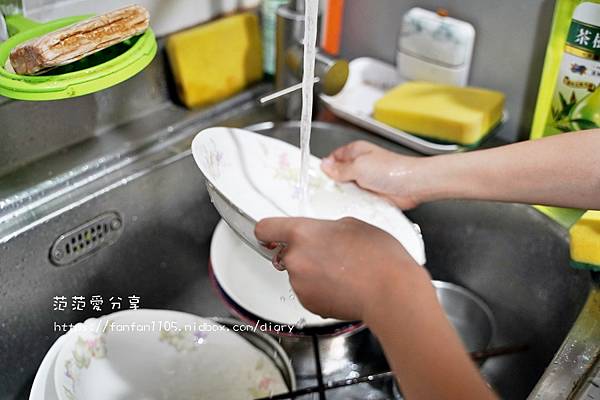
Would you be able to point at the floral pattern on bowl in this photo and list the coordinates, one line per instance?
(289, 173)
(85, 350)
(266, 386)
(183, 341)
(213, 160)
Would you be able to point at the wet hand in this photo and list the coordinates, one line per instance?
(381, 171)
(342, 269)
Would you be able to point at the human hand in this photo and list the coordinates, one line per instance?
(350, 270)
(342, 269)
(381, 171)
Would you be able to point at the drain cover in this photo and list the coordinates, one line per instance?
(86, 239)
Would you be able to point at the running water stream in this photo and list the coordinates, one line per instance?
(311, 16)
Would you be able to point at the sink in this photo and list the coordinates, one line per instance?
(510, 255)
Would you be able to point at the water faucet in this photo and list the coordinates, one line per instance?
(330, 74)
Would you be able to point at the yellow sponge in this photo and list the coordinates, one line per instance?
(585, 241)
(462, 115)
(216, 60)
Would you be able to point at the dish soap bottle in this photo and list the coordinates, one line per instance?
(569, 96)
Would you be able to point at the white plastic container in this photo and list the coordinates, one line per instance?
(434, 47)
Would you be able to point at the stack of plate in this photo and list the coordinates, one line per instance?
(160, 354)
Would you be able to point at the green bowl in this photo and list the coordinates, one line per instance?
(89, 75)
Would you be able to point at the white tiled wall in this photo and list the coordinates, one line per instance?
(166, 15)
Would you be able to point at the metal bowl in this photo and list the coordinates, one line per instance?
(470, 316)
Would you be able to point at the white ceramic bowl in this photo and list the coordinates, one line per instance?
(43, 383)
(252, 176)
(158, 354)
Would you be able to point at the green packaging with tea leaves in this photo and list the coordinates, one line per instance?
(574, 102)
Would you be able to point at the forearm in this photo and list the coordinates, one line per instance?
(425, 353)
(563, 170)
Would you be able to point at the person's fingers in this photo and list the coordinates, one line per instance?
(340, 166)
(339, 171)
(352, 150)
(277, 260)
(278, 230)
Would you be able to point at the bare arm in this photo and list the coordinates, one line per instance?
(421, 345)
(562, 170)
(350, 270)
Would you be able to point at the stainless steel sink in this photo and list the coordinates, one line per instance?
(510, 255)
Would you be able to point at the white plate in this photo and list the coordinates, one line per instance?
(43, 383)
(259, 176)
(254, 284)
(160, 354)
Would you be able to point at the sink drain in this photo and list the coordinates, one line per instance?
(86, 239)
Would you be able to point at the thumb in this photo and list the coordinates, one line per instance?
(352, 151)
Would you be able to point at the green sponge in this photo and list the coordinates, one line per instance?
(585, 242)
